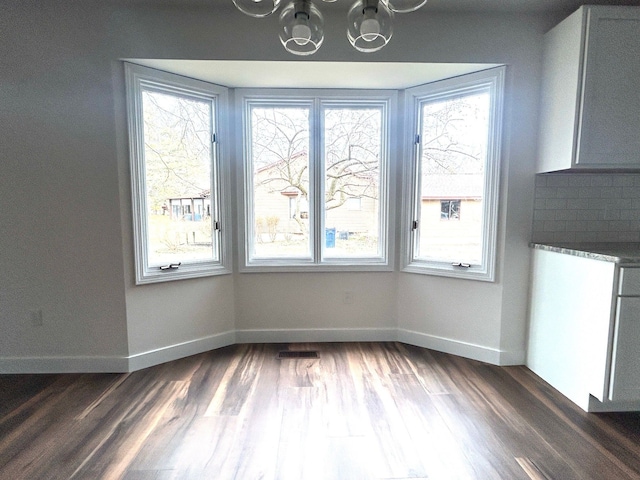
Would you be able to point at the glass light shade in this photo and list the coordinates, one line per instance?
(301, 28)
(370, 25)
(404, 6)
(257, 8)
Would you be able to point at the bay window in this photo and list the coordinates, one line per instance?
(314, 183)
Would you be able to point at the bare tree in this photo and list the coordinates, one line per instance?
(177, 147)
(352, 151)
(280, 153)
(352, 154)
(453, 140)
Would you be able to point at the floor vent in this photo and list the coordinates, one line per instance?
(291, 354)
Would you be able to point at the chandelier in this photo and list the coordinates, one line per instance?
(370, 22)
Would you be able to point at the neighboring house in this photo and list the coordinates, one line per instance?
(438, 190)
(279, 193)
(190, 207)
(451, 210)
(279, 206)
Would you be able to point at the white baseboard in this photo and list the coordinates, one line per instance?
(180, 350)
(79, 364)
(446, 345)
(317, 335)
(461, 349)
(508, 358)
(116, 364)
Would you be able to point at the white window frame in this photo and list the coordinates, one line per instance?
(493, 79)
(319, 261)
(138, 77)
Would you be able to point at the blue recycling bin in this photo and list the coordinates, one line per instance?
(330, 237)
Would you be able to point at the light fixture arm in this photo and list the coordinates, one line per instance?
(301, 7)
(370, 6)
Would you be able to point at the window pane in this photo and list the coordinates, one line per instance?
(177, 162)
(280, 163)
(352, 149)
(453, 155)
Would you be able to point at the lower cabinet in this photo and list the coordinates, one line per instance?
(625, 358)
(584, 329)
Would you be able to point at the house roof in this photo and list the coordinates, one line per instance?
(295, 157)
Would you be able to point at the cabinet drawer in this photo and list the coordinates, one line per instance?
(629, 281)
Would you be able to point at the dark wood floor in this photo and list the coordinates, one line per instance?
(359, 411)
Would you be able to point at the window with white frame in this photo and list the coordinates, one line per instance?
(456, 156)
(176, 175)
(308, 160)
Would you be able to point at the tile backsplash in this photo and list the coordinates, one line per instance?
(587, 207)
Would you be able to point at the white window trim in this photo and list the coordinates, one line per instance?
(494, 79)
(137, 76)
(387, 98)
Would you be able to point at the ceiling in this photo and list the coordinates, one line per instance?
(292, 74)
(471, 6)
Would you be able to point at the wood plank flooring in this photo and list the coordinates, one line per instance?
(359, 411)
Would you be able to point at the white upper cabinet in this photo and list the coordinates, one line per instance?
(590, 107)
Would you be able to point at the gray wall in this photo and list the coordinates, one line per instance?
(66, 239)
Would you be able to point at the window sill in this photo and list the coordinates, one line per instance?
(272, 267)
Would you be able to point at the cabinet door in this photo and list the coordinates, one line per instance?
(625, 367)
(610, 116)
(629, 282)
(560, 99)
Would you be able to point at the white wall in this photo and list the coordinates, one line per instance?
(172, 319)
(66, 227)
(60, 241)
(361, 305)
(487, 321)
